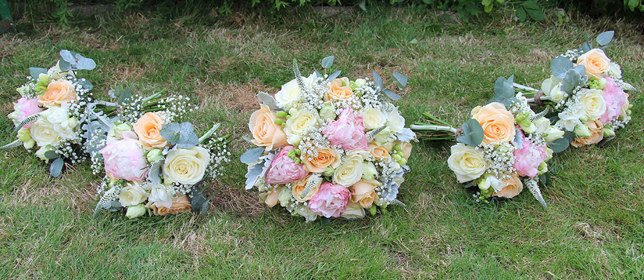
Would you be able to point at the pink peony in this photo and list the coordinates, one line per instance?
(124, 158)
(284, 170)
(25, 108)
(330, 201)
(528, 158)
(615, 98)
(347, 131)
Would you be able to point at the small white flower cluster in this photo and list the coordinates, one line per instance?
(499, 159)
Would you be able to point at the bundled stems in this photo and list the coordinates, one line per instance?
(434, 129)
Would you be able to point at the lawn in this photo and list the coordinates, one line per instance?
(593, 228)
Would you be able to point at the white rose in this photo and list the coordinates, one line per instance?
(43, 132)
(351, 169)
(290, 93)
(614, 70)
(353, 211)
(132, 194)
(567, 121)
(299, 123)
(186, 166)
(306, 212)
(594, 104)
(161, 195)
(395, 121)
(466, 162)
(373, 118)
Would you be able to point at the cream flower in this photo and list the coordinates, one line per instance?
(595, 61)
(298, 124)
(594, 104)
(161, 195)
(466, 162)
(395, 121)
(350, 172)
(132, 194)
(186, 166)
(290, 93)
(373, 118)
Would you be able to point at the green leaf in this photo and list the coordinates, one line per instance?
(378, 80)
(472, 133)
(570, 81)
(605, 37)
(400, 79)
(560, 66)
(182, 135)
(327, 62)
(56, 167)
(36, 71)
(521, 14)
(504, 91)
(363, 5)
(391, 94)
(51, 155)
(199, 201)
(252, 155)
(559, 145)
(334, 75)
(533, 10)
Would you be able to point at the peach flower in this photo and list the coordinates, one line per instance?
(497, 122)
(180, 203)
(265, 132)
(595, 61)
(325, 157)
(597, 134)
(363, 193)
(340, 89)
(511, 187)
(148, 128)
(378, 152)
(299, 186)
(58, 92)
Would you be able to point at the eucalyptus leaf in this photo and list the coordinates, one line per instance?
(401, 80)
(76, 61)
(559, 145)
(472, 133)
(586, 47)
(64, 65)
(254, 173)
(580, 69)
(154, 174)
(268, 100)
(394, 96)
(560, 66)
(570, 81)
(378, 80)
(334, 75)
(56, 167)
(252, 155)
(36, 71)
(543, 180)
(187, 136)
(605, 37)
(67, 56)
(504, 91)
(51, 155)
(327, 62)
(170, 133)
(87, 85)
(199, 201)
(518, 138)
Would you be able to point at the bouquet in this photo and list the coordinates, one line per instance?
(49, 113)
(329, 146)
(587, 93)
(152, 163)
(502, 148)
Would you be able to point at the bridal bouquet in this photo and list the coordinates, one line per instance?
(152, 163)
(587, 93)
(502, 148)
(329, 146)
(50, 110)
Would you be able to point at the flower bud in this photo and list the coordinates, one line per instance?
(370, 173)
(73, 122)
(281, 114)
(284, 197)
(553, 133)
(24, 135)
(582, 131)
(602, 83)
(135, 211)
(360, 82)
(154, 155)
(279, 122)
(41, 152)
(543, 168)
(373, 210)
(527, 126)
(119, 129)
(329, 171)
(549, 153)
(608, 132)
(29, 144)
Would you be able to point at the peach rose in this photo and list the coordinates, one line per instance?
(497, 122)
(272, 198)
(511, 187)
(378, 152)
(58, 92)
(298, 188)
(179, 204)
(406, 147)
(597, 134)
(326, 157)
(363, 193)
(340, 89)
(148, 128)
(265, 132)
(596, 63)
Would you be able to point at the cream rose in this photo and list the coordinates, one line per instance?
(186, 166)
(325, 157)
(148, 128)
(351, 169)
(596, 63)
(43, 133)
(497, 122)
(288, 95)
(363, 193)
(373, 118)
(132, 194)
(594, 104)
(57, 93)
(466, 162)
(299, 122)
(265, 132)
(510, 188)
(395, 122)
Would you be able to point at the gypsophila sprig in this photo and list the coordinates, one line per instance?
(328, 147)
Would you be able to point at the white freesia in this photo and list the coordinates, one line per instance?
(161, 195)
(186, 166)
(373, 118)
(567, 121)
(395, 121)
(488, 181)
(552, 133)
(299, 123)
(290, 93)
(466, 162)
(541, 125)
(594, 104)
(350, 172)
(551, 87)
(132, 194)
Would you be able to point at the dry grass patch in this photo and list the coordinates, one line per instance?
(236, 201)
(233, 96)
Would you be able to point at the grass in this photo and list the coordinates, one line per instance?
(592, 229)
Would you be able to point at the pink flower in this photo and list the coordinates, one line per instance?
(284, 170)
(615, 98)
(124, 158)
(347, 131)
(528, 158)
(25, 108)
(330, 201)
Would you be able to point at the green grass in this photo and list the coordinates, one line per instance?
(592, 229)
